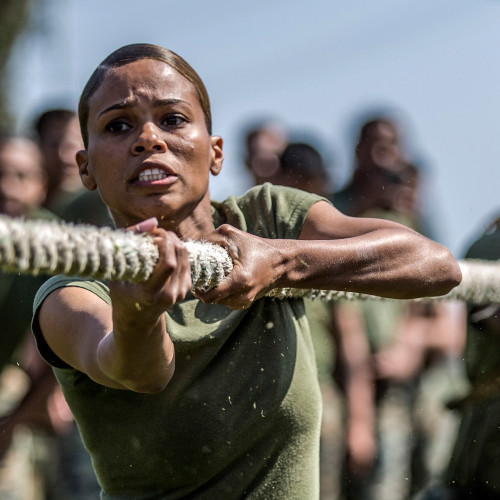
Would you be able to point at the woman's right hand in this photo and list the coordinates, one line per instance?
(168, 284)
(138, 320)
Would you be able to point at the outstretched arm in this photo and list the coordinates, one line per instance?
(336, 252)
(126, 345)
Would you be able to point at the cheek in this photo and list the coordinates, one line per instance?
(102, 162)
(34, 194)
(194, 147)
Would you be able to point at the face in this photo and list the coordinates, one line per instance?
(381, 148)
(22, 184)
(386, 151)
(263, 153)
(59, 147)
(149, 151)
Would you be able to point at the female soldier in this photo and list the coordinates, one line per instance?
(238, 415)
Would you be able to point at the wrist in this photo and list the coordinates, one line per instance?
(138, 318)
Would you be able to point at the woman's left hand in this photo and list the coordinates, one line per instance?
(257, 266)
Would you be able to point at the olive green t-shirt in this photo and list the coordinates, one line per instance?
(476, 456)
(240, 417)
(16, 302)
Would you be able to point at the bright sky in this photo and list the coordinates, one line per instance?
(317, 65)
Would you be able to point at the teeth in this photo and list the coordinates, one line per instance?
(152, 174)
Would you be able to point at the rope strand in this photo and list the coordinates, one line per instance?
(50, 247)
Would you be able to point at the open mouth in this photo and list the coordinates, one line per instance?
(153, 174)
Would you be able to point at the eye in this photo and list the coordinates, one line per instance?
(173, 120)
(118, 126)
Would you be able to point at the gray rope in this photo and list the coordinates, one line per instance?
(49, 247)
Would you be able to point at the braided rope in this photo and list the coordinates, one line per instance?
(49, 247)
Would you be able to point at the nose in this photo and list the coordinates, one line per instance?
(149, 140)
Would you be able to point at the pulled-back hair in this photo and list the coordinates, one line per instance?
(136, 52)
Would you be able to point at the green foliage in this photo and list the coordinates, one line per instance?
(14, 17)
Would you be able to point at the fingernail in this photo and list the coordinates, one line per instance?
(148, 224)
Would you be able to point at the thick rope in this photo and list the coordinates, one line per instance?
(48, 247)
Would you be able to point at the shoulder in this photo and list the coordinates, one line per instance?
(486, 247)
(267, 210)
(62, 299)
(88, 208)
(99, 288)
(41, 213)
(268, 192)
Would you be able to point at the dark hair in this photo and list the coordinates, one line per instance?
(48, 118)
(368, 129)
(136, 52)
(299, 156)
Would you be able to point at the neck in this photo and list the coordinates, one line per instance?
(195, 226)
(193, 223)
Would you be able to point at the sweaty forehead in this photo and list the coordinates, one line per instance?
(143, 79)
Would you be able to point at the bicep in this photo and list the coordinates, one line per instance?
(73, 322)
(324, 221)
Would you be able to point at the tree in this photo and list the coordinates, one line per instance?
(14, 15)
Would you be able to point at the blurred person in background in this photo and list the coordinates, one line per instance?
(474, 467)
(22, 191)
(59, 138)
(24, 433)
(301, 166)
(391, 345)
(41, 455)
(264, 142)
(378, 159)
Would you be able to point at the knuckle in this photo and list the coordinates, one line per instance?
(226, 229)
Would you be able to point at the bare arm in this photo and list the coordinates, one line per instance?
(336, 252)
(126, 345)
(359, 387)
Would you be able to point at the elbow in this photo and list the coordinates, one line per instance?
(151, 385)
(455, 276)
(446, 273)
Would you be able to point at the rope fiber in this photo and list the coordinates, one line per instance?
(49, 247)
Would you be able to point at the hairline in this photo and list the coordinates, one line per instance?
(102, 70)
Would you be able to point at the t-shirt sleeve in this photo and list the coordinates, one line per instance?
(271, 211)
(487, 247)
(54, 283)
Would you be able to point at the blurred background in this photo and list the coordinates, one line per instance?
(318, 67)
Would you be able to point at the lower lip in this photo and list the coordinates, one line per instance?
(167, 181)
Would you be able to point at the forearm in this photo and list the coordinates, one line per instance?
(360, 396)
(390, 263)
(138, 353)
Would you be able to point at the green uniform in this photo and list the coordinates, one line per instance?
(16, 301)
(475, 462)
(87, 207)
(240, 417)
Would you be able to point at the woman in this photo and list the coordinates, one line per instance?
(206, 394)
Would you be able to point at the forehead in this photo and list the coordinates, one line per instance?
(143, 80)
(385, 131)
(19, 154)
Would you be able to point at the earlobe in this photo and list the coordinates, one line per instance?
(217, 154)
(82, 158)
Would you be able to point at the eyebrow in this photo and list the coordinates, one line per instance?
(127, 103)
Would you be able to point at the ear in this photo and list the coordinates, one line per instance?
(217, 154)
(82, 158)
